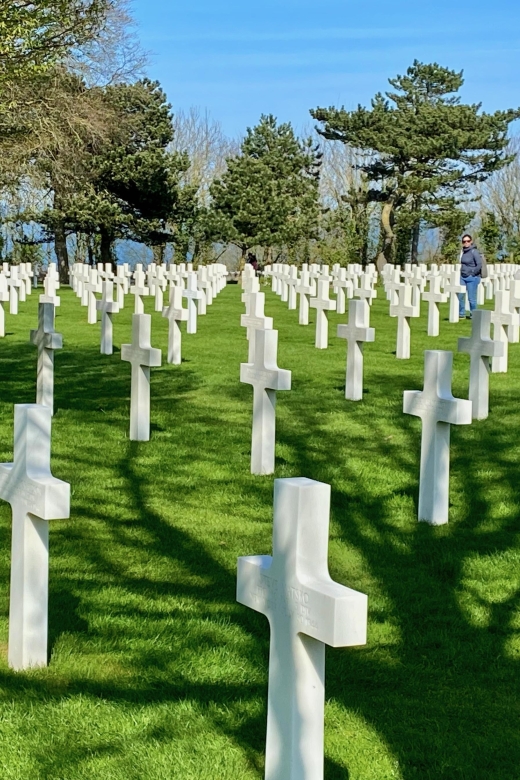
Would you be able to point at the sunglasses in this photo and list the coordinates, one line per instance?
(466, 241)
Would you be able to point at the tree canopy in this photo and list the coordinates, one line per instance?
(425, 148)
(34, 35)
(268, 196)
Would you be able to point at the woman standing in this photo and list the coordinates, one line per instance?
(470, 274)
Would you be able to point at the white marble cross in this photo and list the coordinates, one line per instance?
(438, 409)
(4, 297)
(393, 284)
(205, 284)
(121, 281)
(202, 284)
(14, 284)
(304, 289)
(107, 306)
(480, 348)
(92, 287)
(434, 296)
(356, 333)
(35, 497)
(175, 313)
(504, 322)
(306, 610)
(292, 281)
(250, 285)
(29, 274)
(453, 287)
(342, 286)
(142, 356)
(253, 319)
(283, 279)
(514, 304)
(157, 284)
(139, 289)
(266, 378)
(404, 309)
(47, 340)
(365, 291)
(192, 293)
(322, 303)
(51, 285)
(22, 290)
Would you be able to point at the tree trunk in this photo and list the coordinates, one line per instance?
(242, 261)
(158, 253)
(416, 231)
(385, 256)
(62, 253)
(90, 251)
(106, 249)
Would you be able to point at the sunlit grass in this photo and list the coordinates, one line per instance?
(155, 672)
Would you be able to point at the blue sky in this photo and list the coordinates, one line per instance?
(239, 59)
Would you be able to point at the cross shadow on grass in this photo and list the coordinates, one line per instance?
(143, 611)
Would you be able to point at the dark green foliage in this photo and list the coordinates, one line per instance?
(425, 147)
(491, 238)
(134, 174)
(268, 196)
(130, 183)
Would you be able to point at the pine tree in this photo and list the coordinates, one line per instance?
(268, 196)
(425, 147)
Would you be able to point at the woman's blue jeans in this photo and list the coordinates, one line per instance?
(471, 283)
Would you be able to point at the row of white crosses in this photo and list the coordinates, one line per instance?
(314, 283)
(306, 609)
(27, 484)
(405, 290)
(263, 373)
(15, 286)
(198, 288)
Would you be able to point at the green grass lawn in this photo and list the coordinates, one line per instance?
(155, 671)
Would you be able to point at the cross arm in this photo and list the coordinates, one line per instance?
(456, 411)
(150, 356)
(42, 495)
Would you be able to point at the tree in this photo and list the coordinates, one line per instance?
(491, 237)
(135, 174)
(501, 198)
(346, 223)
(268, 196)
(35, 35)
(426, 148)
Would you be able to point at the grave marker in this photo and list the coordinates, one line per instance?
(175, 313)
(404, 309)
(434, 296)
(142, 356)
(35, 497)
(254, 319)
(306, 610)
(504, 322)
(480, 349)
(192, 293)
(304, 289)
(356, 333)
(438, 409)
(107, 306)
(266, 378)
(322, 304)
(47, 340)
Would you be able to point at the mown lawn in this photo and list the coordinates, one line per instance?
(155, 672)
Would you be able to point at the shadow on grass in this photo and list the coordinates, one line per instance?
(443, 696)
